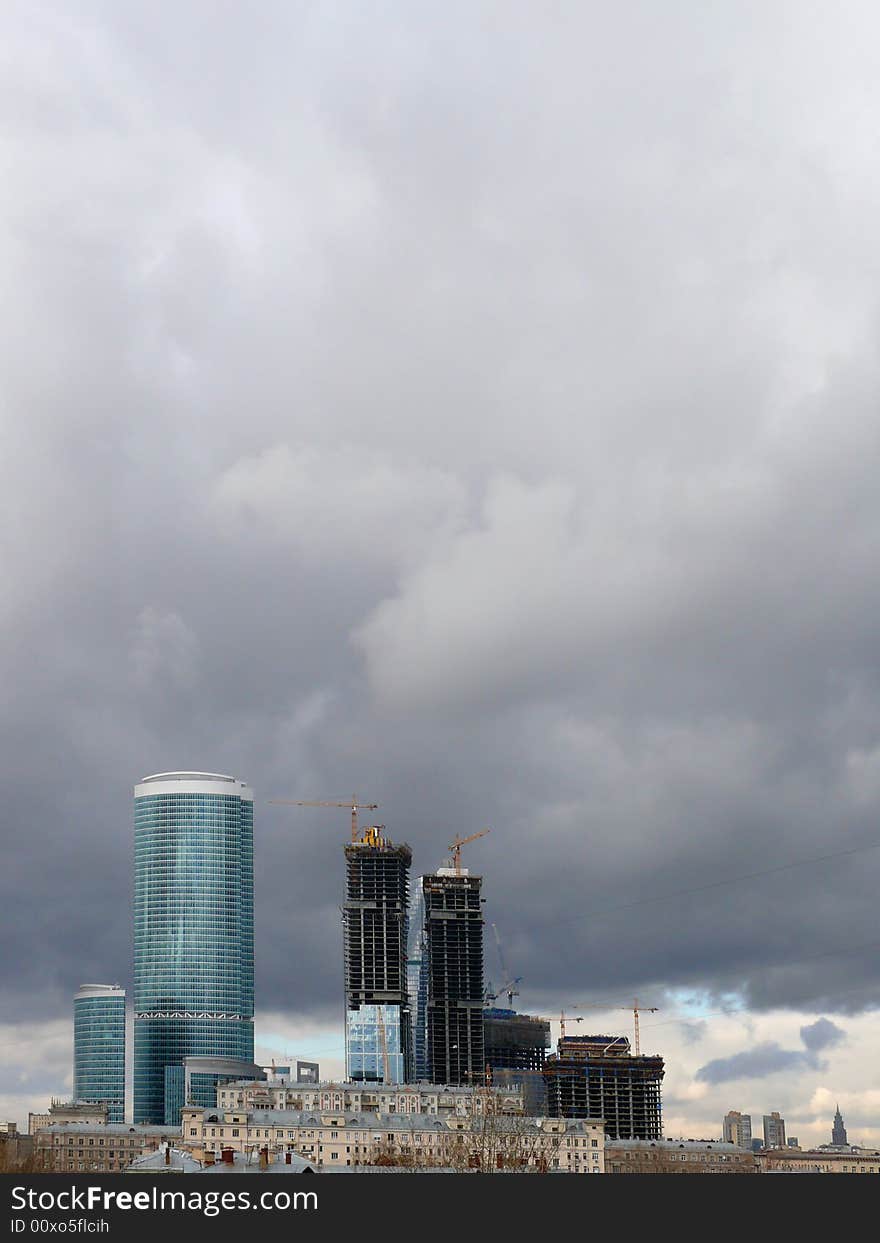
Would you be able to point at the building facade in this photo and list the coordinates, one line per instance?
(451, 977)
(336, 1140)
(420, 1098)
(597, 1077)
(514, 1041)
(90, 1113)
(193, 927)
(819, 1161)
(417, 982)
(677, 1156)
(99, 1047)
(774, 1131)
(530, 1083)
(375, 916)
(737, 1129)
(66, 1146)
(196, 1079)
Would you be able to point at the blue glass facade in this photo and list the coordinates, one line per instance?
(376, 1044)
(193, 928)
(196, 1081)
(417, 981)
(99, 1047)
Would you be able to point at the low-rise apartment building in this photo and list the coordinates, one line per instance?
(817, 1161)
(403, 1098)
(677, 1156)
(93, 1113)
(108, 1147)
(418, 1140)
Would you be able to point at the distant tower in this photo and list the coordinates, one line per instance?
(838, 1132)
(774, 1131)
(737, 1129)
(99, 1047)
(375, 926)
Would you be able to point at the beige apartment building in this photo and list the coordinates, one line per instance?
(677, 1156)
(332, 1140)
(91, 1113)
(405, 1098)
(817, 1161)
(107, 1147)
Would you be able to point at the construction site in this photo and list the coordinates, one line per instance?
(417, 1007)
(515, 1041)
(599, 1077)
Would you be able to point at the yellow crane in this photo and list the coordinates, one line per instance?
(455, 847)
(561, 1018)
(636, 1009)
(353, 804)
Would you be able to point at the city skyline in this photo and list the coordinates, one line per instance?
(177, 809)
(484, 422)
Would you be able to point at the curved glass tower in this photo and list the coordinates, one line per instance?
(99, 1047)
(193, 927)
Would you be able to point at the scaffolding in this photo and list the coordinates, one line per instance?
(598, 1077)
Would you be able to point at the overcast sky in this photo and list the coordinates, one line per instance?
(474, 406)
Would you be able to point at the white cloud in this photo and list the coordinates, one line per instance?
(346, 504)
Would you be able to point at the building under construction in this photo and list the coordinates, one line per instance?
(515, 1041)
(598, 1077)
(451, 973)
(375, 923)
(516, 1049)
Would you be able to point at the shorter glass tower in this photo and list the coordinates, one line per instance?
(99, 1047)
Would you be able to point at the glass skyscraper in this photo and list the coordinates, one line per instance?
(193, 927)
(99, 1047)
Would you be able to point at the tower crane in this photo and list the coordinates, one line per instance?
(636, 1009)
(561, 1018)
(353, 804)
(455, 847)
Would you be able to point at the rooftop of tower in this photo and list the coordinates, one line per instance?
(187, 776)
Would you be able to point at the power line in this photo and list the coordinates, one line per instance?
(716, 884)
(789, 962)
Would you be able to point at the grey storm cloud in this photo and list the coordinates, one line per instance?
(823, 1034)
(474, 406)
(768, 1057)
